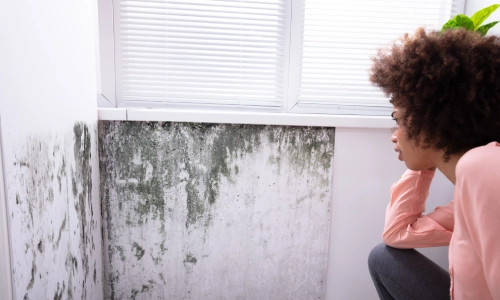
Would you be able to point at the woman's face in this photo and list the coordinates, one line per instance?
(416, 158)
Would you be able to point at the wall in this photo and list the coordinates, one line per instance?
(365, 166)
(210, 211)
(49, 146)
(472, 6)
(143, 250)
(5, 274)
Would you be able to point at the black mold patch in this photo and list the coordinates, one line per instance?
(189, 262)
(33, 272)
(122, 255)
(54, 173)
(138, 251)
(40, 246)
(63, 226)
(150, 169)
(82, 185)
(190, 259)
(60, 291)
(144, 289)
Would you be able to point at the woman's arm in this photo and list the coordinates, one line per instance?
(405, 226)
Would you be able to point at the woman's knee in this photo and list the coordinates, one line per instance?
(378, 254)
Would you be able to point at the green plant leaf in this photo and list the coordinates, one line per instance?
(451, 24)
(480, 16)
(464, 21)
(459, 21)
(483, 30)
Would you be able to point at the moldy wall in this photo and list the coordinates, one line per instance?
(54, 215)
(204, 211)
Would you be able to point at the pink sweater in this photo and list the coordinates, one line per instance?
(470, 224)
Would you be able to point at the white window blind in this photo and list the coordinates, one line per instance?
(219, 52)
(290, 55)
(339, 39)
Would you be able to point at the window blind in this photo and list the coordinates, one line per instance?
(339, 39)
(222, 52)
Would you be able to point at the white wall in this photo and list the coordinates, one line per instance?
(47, 84)
(47, 75)
(365, 166)
(5, 276)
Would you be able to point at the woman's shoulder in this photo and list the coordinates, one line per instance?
(479, 160)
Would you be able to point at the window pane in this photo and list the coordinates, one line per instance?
(340, 37)
(200, 51)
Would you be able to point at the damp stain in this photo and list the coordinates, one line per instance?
(190, 259)
(33, 272)
(82, 190)
(152, 172)
(40, 246)
(61, 229)
(60, 291)
(138, 251)
(52, 174)
(145, 288)
(149, 156)
(122, 254)
(189, 263)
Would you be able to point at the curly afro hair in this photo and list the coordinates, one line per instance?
(447, 85)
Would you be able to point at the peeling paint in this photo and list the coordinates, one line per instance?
(214, 200)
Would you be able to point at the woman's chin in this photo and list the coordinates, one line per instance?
(415, 167)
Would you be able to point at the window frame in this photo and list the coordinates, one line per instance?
(289, 114)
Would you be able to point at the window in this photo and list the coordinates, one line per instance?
(291, 56)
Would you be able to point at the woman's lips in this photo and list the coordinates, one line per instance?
(400, 156)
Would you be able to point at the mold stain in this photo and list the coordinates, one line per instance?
(83, 173)
(150, 169)
(138, 251)
(42, 192)
(60, 291)
(144, 289)
(61, 229)
(122, 255)
(190, 259)
(173, 147)
(40, 246)
(33, 272)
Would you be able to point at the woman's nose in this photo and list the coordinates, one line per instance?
(393, 137)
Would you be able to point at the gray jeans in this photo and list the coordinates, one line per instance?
(405, 274)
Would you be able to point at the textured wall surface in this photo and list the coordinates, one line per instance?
(54, 213)
(200, 211)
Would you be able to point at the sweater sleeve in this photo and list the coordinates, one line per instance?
(405, 226)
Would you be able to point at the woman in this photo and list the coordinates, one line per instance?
(445, 88)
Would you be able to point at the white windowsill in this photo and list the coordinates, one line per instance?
(243, 117)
